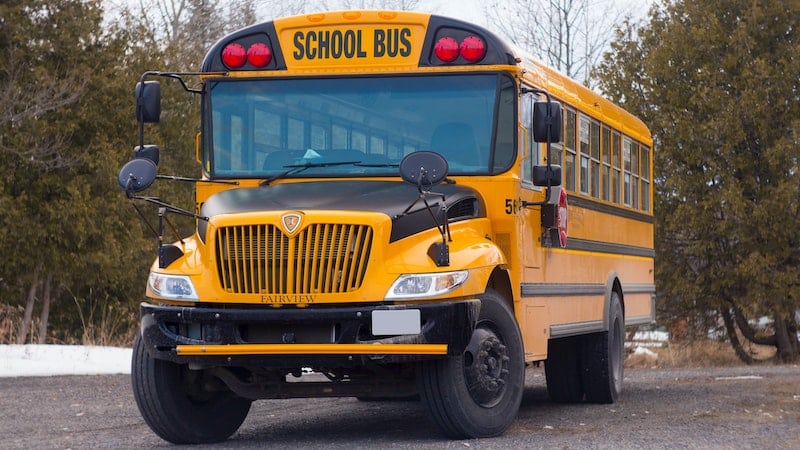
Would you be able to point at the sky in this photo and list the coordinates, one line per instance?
(468, 10)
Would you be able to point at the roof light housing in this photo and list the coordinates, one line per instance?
(455, 49)
(252, 52)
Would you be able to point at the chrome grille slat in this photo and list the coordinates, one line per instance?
(322, 258)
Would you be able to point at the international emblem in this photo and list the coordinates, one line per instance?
(291, 222)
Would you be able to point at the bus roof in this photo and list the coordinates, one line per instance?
(584, 99)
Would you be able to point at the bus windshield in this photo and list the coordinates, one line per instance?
(356, 126)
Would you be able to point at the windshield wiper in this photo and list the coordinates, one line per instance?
(360, 164)
(297, 168)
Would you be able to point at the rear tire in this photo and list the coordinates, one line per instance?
(604, 357)
(175, 405)
(477, 394)
(562, 370)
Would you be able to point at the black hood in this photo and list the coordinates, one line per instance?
(388, 197)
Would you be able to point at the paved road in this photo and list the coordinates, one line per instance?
(743, 407)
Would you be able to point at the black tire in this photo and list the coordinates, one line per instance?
(478, 393)
(562, 370)
(162, 392)
(604, 357)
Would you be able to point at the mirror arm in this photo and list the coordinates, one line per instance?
(169, 208)
(141, 214)
(195, 180)
(179, 76)
(176, 76)
(163, 217)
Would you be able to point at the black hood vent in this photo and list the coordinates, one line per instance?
(463, 210)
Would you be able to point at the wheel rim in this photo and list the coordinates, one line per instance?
(486, 367)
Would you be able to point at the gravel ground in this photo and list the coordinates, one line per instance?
(738, 407)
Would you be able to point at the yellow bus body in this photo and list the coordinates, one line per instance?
(555, 291)
(313, 252)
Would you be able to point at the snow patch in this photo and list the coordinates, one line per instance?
(48, 360)
(645, 352)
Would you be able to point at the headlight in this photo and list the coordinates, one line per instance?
(173, 287)
(425, 284)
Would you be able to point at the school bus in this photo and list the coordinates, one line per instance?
(391, 204)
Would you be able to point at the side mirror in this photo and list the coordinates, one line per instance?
(148, 101)
(547, 175)
(547, 117)
(137, 175)
(423, 168)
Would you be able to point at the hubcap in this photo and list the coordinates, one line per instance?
(486, 367)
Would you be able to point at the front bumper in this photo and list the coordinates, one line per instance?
(302, 337)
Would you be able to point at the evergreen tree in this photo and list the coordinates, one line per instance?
(717, 82)
(66, 235)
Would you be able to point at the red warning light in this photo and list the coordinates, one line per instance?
(234, 56)
(259, 55)
(446, 49)
(472, 48)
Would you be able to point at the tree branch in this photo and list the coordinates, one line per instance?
(747, 331)
(734, 338)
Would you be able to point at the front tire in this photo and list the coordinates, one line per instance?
(176, 405)
(478, 393)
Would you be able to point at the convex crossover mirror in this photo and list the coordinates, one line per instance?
(137, 175)
(423, 168)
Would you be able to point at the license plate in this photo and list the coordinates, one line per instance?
(393, 322)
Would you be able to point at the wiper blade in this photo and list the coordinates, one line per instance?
(360, 164)
(297, 168)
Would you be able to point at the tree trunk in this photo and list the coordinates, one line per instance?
(28, 317)
(786, 344)
(44, 317)
(734, 338)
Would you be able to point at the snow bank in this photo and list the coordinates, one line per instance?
(47, 360)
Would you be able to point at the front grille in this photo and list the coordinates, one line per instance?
(322, 258)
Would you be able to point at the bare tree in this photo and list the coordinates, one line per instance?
(568, 35)
(272, 9)
(25, 103)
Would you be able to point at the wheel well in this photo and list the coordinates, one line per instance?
(617, 286)
(501, 283)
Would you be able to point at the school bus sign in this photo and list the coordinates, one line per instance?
(343, 44)
(316, 45)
